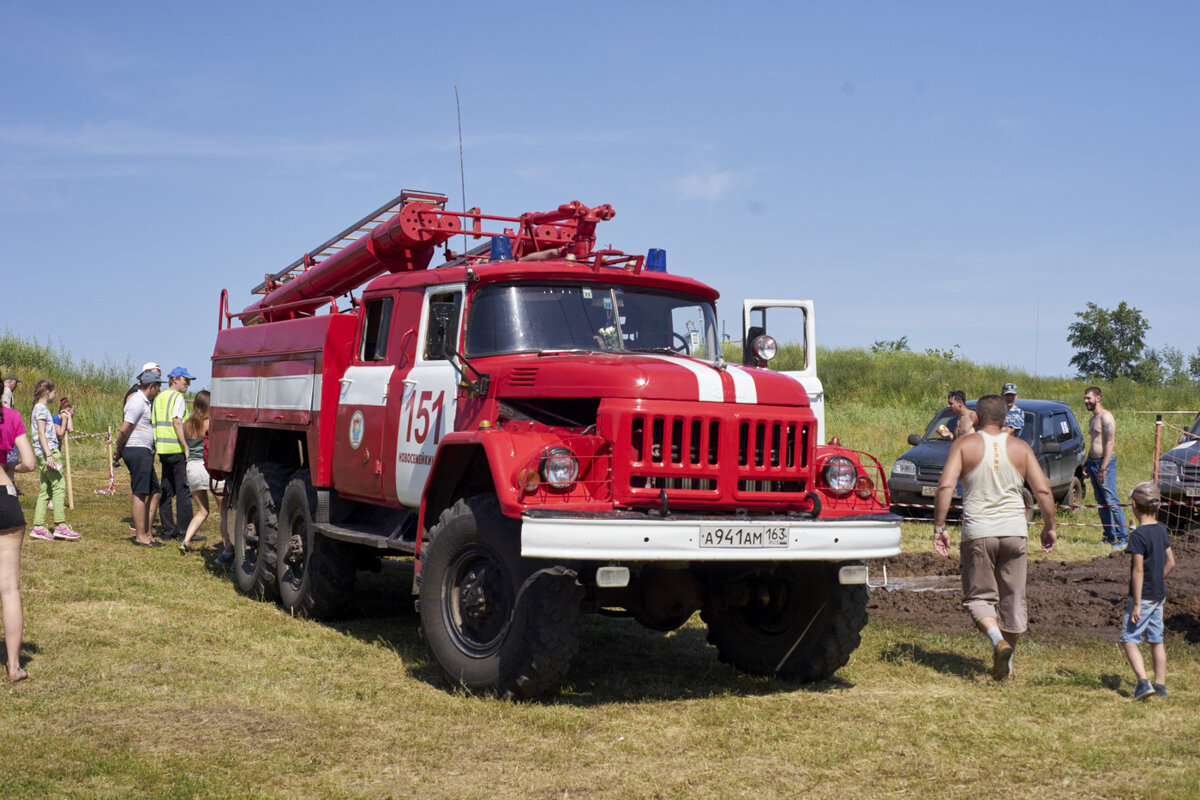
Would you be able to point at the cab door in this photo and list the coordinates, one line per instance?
(362, 404)
(430, 402)
(792, 324)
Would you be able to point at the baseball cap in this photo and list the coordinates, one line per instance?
(1009, 388)
(1146, 494)
(150, 365)
(148, 377)
(181, 372)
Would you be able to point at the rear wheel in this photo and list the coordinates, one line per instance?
(1027, 501)
(315, 575)
(492, 622)
(800, 624)
(254, 528)
(1075, 493)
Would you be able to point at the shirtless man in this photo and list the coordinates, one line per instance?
(1101, 467)
(994, 468)
(967, 420)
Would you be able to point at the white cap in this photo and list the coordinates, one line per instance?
(150, 365)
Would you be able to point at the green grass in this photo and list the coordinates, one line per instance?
(150, 677)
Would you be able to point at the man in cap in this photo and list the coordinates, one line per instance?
(167, 415)
(135, 444)
(1014, 418)
(1101, 467)
(10, 386)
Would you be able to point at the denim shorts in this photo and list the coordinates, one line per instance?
(1150, 625)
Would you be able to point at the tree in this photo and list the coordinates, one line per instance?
(891, 345)
(1108, 344)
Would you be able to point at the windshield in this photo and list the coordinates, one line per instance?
(515, 318)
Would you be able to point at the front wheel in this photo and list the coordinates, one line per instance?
(315, 575)
(799, 624)
(493, 621)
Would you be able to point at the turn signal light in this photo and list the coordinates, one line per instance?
(865, 488)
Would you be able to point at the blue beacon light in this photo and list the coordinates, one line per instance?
(501, 249)
(656, 260)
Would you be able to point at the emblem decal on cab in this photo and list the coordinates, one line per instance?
(356, 429)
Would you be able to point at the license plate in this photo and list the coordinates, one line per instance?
(744, 536)
(928, 491)
(1193, 492)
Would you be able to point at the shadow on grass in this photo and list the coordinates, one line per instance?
(618, 660)
(944, 661)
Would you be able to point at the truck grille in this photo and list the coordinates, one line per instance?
(1189, 472)
(700, 458)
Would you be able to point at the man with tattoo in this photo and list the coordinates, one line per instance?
(1101, 467)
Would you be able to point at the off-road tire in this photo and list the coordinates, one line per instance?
(805, 630)
(315, 575)
(1029, 503)
(1075, 493)
(481, 636)
(254, 530)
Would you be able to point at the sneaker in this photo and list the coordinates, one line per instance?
(225, 557)
(1144, 691)
(1120, 544)
(1159, 689)
(40, 532)
(1000, 655)
(62, 531)
(199, 537)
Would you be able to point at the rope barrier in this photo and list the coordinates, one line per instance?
(107, 439)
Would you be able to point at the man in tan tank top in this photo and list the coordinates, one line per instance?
(993, 468)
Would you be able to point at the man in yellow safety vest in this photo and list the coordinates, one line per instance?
(167, 415)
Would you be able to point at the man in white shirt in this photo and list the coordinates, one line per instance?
(135, 444)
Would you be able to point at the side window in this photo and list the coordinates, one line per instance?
(1048, 431)
(441, 325)
(377, 320)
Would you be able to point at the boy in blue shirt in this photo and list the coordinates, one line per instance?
(1150, 549)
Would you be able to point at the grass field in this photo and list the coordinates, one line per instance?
(151, 677)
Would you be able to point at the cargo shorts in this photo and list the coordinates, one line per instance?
(993, 580)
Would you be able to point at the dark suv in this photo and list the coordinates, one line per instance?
(1179, 479)
(1050, 429)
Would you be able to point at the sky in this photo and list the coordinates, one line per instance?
(965, 175)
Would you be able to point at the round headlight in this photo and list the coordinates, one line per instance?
(904, 467)
(559, 468)
(840, 475)
(765, 347)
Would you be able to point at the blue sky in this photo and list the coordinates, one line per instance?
(967, 174)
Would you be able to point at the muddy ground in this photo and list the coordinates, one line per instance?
(1086, 597)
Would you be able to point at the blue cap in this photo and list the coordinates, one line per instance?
(181, 372)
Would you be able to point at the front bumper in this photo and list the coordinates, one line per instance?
(627, 537)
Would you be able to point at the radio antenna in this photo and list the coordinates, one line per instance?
(462, 173)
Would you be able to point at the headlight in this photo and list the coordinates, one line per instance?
(904, 467)
(1168, 469)
(765, 347)
(840, 475)
(559, 468)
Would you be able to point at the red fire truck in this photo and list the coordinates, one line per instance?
(549, 429)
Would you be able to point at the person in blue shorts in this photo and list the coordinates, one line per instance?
(1150, 549)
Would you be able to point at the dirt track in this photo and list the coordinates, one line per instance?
(1081, 597)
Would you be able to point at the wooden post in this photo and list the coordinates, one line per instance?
(1158, 423)
(67, 460)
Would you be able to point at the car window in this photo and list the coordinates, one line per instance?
(944, 417)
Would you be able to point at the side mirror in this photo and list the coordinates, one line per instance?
(913, 440)
(1183, 439)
